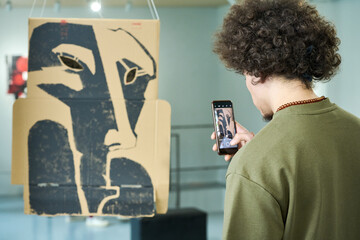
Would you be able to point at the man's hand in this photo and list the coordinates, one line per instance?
(241, 137)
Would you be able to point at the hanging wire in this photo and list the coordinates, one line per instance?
(32, 8)
(43, 8)
(99, 12)
(151, 4)
(156, 13)
(153, 10)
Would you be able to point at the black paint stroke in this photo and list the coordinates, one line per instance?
(133, 200)
(51, 172)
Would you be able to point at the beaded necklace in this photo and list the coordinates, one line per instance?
(313, 100)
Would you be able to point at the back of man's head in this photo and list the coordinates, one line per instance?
(278, 37)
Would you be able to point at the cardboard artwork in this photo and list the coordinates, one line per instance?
(92, 137)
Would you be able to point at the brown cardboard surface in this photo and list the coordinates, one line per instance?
(92, 138)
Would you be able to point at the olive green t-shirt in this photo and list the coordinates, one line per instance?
(298, 178)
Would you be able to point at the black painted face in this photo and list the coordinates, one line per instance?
(101, 75)
(87, 72)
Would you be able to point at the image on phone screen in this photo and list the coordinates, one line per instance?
(225, 125)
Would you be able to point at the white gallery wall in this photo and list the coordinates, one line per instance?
(344, 89)
(190, 77)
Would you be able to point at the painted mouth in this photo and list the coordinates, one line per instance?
(113, 147)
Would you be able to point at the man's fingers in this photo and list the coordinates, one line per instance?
(214, 148)
(240, 128)
(228, 157)
(241, 137)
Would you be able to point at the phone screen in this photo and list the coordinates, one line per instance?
(224, 124)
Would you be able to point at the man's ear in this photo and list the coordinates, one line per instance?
(255, 80)
(260, 80)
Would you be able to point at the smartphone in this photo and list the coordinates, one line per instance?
(224, 125)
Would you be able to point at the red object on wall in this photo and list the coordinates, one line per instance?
(17, 66)
(22, 64)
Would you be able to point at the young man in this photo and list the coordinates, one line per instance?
(298, 178)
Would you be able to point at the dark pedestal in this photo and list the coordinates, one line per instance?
(181, 224)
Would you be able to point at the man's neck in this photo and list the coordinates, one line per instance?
(285, 91)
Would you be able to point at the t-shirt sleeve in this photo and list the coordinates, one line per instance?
(250, 212)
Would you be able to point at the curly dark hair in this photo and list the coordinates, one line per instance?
(278, 37)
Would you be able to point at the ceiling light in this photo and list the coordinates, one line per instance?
(95, 6)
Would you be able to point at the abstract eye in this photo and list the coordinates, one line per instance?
(71, 63)
(130, 75)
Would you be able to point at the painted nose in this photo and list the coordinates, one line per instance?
(116, 140)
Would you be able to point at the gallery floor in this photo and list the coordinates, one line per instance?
(15, 225)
